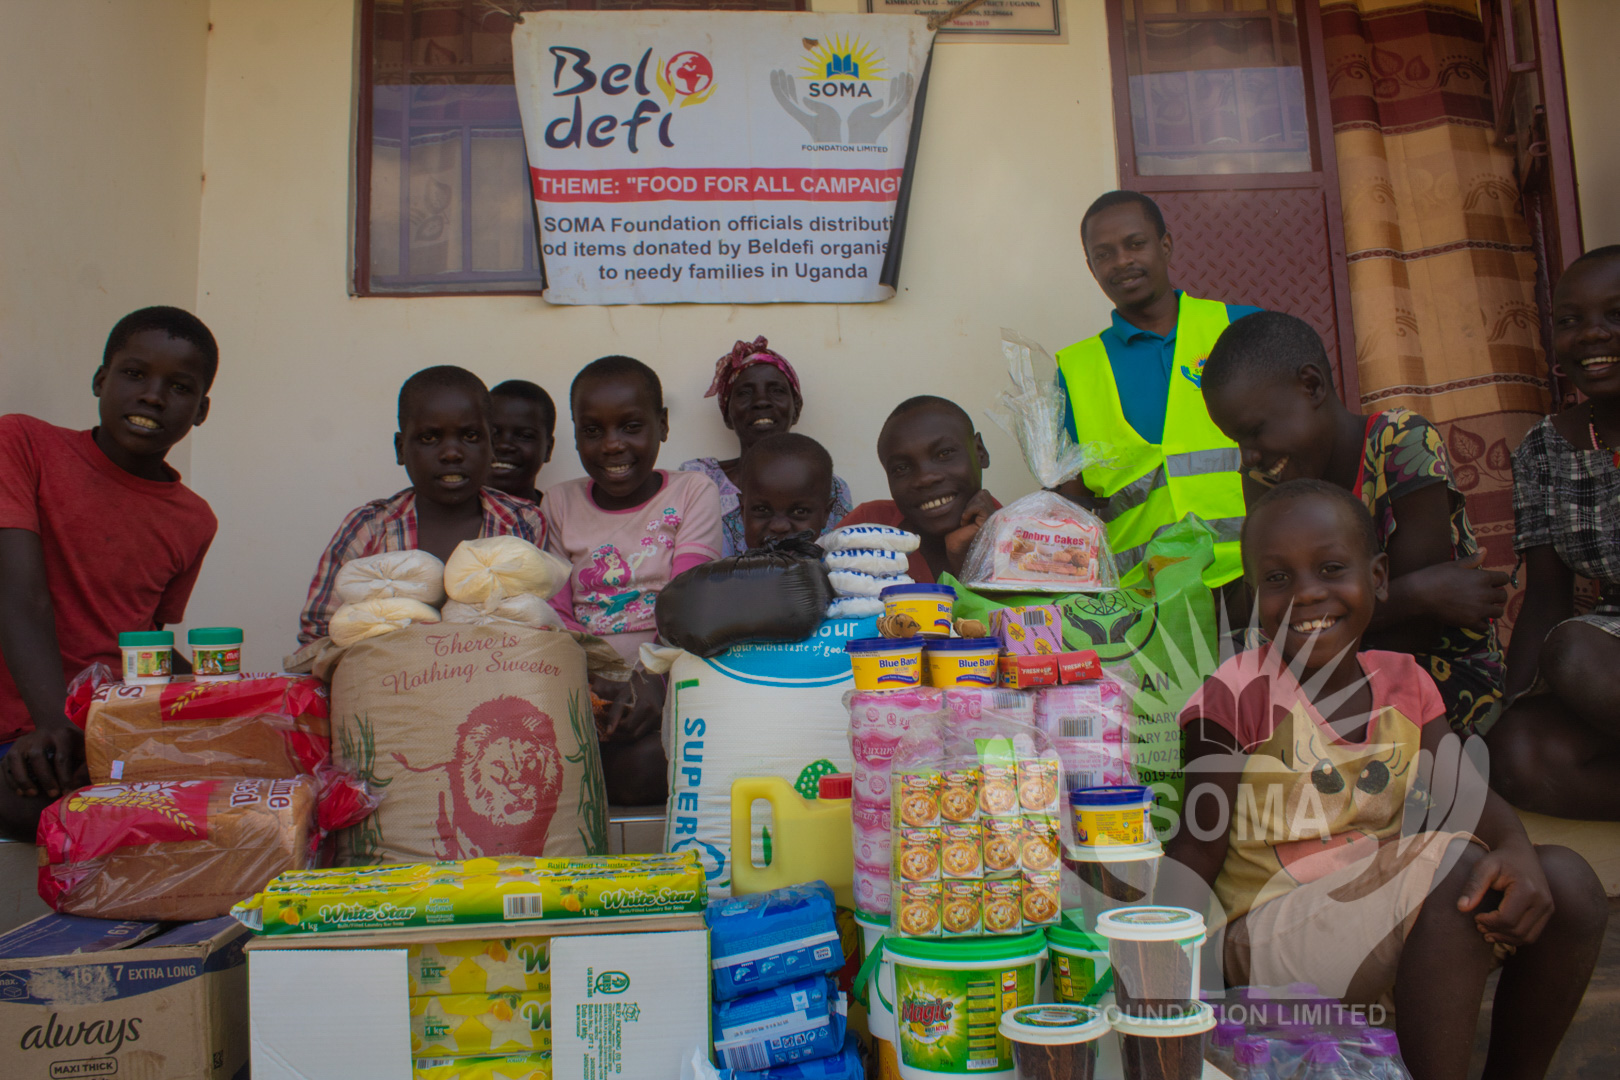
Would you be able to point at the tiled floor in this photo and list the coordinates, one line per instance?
(1591, 1050)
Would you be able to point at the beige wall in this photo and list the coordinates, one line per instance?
(1589, 29)
(1017, 139)
(100, 185)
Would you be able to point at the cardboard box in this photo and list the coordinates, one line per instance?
(92, 997)
(1035, 630)
(1024, 672)
(629, 999)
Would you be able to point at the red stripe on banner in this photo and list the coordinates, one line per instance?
(724, 185)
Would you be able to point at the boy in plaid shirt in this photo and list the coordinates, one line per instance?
(444, 443)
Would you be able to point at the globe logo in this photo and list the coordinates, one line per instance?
(689, 73)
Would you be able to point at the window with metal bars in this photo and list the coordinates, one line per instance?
(443, 199)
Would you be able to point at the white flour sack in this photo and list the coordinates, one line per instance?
(754, 710)
(479, 739)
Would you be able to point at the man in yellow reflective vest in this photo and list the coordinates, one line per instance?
(1135, 389)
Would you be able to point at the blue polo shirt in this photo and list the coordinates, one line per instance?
(1142, 363)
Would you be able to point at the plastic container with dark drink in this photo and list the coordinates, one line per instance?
(1054, 1042)
(1156, 954)
(1166, 1046)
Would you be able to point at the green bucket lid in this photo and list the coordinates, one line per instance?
(1067, 937)
(871, 918)
(215, 635)
(966, 949)
(134, 639)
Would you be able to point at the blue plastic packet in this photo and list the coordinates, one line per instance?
(765, 940)
(801, 1021)
(844, 1065)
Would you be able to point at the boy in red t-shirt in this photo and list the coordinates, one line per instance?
(97, 537)
(934, 460)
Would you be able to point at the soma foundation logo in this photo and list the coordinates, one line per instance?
(843, 67)
(686, 75)
(849, 71)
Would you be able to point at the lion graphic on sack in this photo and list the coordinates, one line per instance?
(481, 744)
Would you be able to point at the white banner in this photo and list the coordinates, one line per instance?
(720, 157)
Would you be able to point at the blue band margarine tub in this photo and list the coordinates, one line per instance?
(930, 605)
(1112, 816)
(963, 661)
(886, 663)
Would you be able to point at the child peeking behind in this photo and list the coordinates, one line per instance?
(786, 488)
(626, 528)
(444, 443)
(522, 434)
(1347, 833)
(934, 460)
(1268, 387)
(97, 536)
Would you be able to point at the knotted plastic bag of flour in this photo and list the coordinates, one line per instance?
(480, 572)
(369, 618)
(413, 575)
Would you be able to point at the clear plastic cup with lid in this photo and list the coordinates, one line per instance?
(1166, 1046)
(1054, 1042)
(1157, 956)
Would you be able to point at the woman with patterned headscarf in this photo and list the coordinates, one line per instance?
(759, 396)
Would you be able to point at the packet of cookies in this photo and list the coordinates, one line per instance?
(959, 852)
(1042, 897)
(1038, 842)
(961, 912)
(916, 855)
(915, 798)
(1001, 842)
(1003, 905)
(917, 908)
(1040, 782)
(959, 794)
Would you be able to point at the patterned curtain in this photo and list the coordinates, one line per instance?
(1442, 277)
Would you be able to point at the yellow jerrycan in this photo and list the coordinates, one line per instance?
(810, 839)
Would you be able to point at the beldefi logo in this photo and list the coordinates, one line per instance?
(687, 76)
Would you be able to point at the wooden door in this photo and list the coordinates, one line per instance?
(1221, 114)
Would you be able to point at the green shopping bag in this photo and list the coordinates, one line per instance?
(1160, 635)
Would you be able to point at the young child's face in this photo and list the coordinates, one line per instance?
(761, 404)
(783, 495)
(152, 391)
(1315, 582)
(934, 461)
(520, 442)
(617, 430)
(1279, 425)
(1586, 327)
(445, 445)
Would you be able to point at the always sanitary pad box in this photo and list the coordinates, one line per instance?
(84, 998)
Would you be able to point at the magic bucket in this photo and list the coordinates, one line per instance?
(944, 999)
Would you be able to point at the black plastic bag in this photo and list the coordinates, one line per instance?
(777, 592)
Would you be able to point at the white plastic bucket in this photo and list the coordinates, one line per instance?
(943, 1000)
